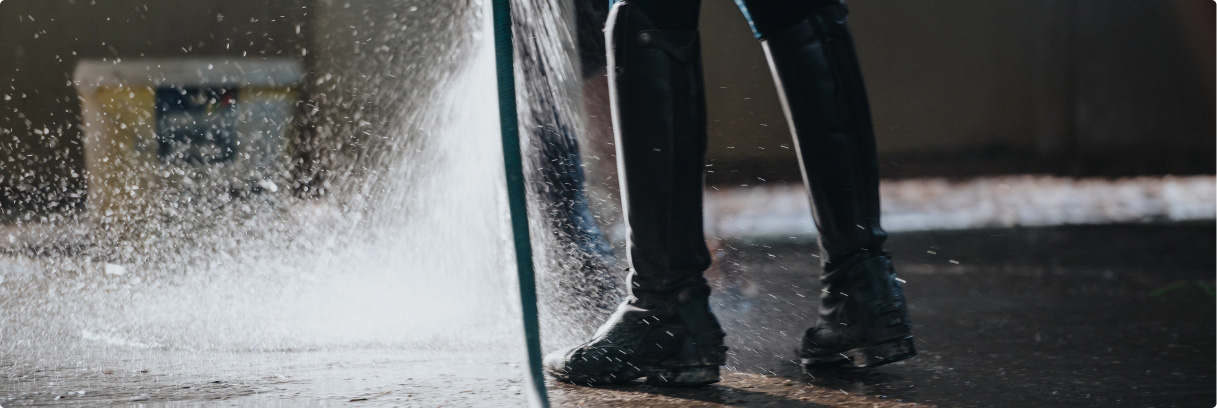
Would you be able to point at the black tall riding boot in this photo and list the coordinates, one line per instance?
(863, 317)
(665, 330)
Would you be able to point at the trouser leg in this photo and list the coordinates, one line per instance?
(585, 252)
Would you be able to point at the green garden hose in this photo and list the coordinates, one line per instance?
(517, 196)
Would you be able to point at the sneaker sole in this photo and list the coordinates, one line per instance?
(864, 357)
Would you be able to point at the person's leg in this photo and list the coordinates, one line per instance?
(556, 172)
(665, 331)
(863, 317)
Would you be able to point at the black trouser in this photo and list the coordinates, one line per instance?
(659, 122)
(764, 16)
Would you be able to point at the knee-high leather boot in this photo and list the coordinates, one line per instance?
(665, 330)
(863, 317)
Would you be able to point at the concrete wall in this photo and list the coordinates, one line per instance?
(41, 161)
(1143, 75)
(376, 68)
(958, 87)
(367, 60)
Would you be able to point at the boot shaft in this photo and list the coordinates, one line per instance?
(819, 83)
(659, 122)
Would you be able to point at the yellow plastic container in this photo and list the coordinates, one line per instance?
(184, 129)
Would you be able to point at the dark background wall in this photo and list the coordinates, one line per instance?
(960, 88)
(41, 159)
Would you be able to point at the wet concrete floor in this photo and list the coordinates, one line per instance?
(371, 377)
(1102, 316)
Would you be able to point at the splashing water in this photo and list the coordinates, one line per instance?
(409, 249)
(578, 282)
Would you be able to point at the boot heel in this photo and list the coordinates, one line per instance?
(870, 356)
(683, 376)
(883, 353)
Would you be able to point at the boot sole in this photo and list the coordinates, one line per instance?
(656, 376)
(683, 376)
(863, 357)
